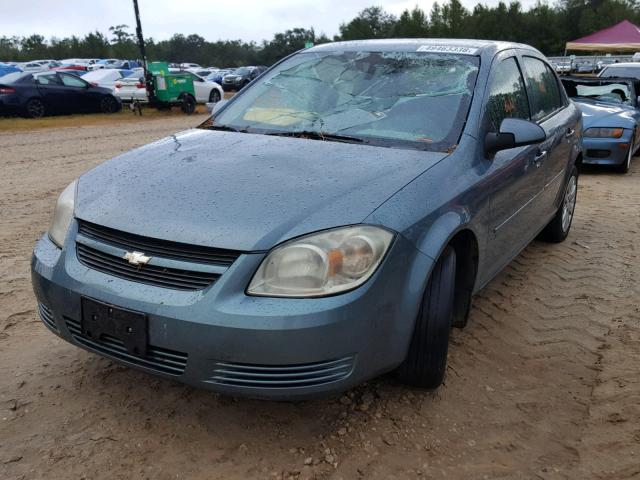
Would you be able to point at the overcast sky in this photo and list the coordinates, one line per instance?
(213, 19)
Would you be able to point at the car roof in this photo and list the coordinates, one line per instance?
(477, 47)
(575, 79)
(625, 65)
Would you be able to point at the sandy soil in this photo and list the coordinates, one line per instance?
(543, 383)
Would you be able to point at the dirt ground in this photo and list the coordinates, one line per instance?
(543, 383)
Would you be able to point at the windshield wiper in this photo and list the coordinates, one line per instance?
(331, 137)
(226, 128)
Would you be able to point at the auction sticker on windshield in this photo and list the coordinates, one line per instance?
(448, 49)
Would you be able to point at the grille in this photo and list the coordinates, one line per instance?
(160, 248)
(285, 376)
(149, 274)
(159, 359)
(47, 317)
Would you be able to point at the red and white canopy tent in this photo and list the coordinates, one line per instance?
(621, 37)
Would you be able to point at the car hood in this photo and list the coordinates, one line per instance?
(243, 191)
(601, 114)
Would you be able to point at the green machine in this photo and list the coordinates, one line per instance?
(164, 88)
(167, 89)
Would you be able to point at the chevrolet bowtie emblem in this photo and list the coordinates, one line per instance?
(136, 258)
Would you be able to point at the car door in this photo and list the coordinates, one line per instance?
(514, 175)
(201, 89)
(80, 97)
(549, 110)
(52, 91)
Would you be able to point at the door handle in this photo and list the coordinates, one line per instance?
(570, 133)
(539, 158)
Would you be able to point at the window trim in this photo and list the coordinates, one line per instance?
(564, 102)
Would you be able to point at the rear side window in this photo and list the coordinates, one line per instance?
(543, 88)
(507, 97)
(51, 79)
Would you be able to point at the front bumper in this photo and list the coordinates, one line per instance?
(223, 340)
(606, 151)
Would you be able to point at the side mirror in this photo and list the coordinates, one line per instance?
(215, 107)
(514, 132)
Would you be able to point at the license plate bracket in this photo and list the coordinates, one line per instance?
(128, 326)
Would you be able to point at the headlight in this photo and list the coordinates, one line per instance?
(322, 263)
(604, 132)
(63, 214)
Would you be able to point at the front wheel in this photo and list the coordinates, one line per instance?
(558, 228)
(214, 96)
(109, 105)
(426, 361)
(626, 166)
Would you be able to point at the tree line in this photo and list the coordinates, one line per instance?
(545, 26)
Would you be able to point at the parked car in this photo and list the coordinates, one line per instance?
(187, 66)
(241, 77)
(106, 78)
(6, 68)
(125, 65)
(104, 63)
(626, 70)
(611, 119)
(604, 63)
(133, 89)
(563, 67)
(34, 67)
(329, 224)
(36, 95)
(585, 66)
(217, 76)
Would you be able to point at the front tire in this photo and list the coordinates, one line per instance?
(109, 104)
(626, 165)
(426, 361)
(558, 228)
(214, 96)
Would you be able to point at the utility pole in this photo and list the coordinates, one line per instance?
(147, 75)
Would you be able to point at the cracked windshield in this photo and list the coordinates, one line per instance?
(402, 99)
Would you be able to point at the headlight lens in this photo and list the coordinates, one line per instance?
(322, 263)
(63, 214)
(604, 132)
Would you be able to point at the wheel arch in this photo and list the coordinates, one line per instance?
(454, 230)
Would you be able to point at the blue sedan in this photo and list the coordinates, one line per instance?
(611, 119)
(327, 225)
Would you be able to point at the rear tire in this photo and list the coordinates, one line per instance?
(426, 361)
(35, 108)
(188, 104)
(558, 228)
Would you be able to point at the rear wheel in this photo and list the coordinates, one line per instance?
(558, 228)
(35, 108)
(188, 104)
(426, 361)
(214, 96)
(109, 105)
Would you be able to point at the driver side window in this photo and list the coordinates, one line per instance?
(507, 97)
